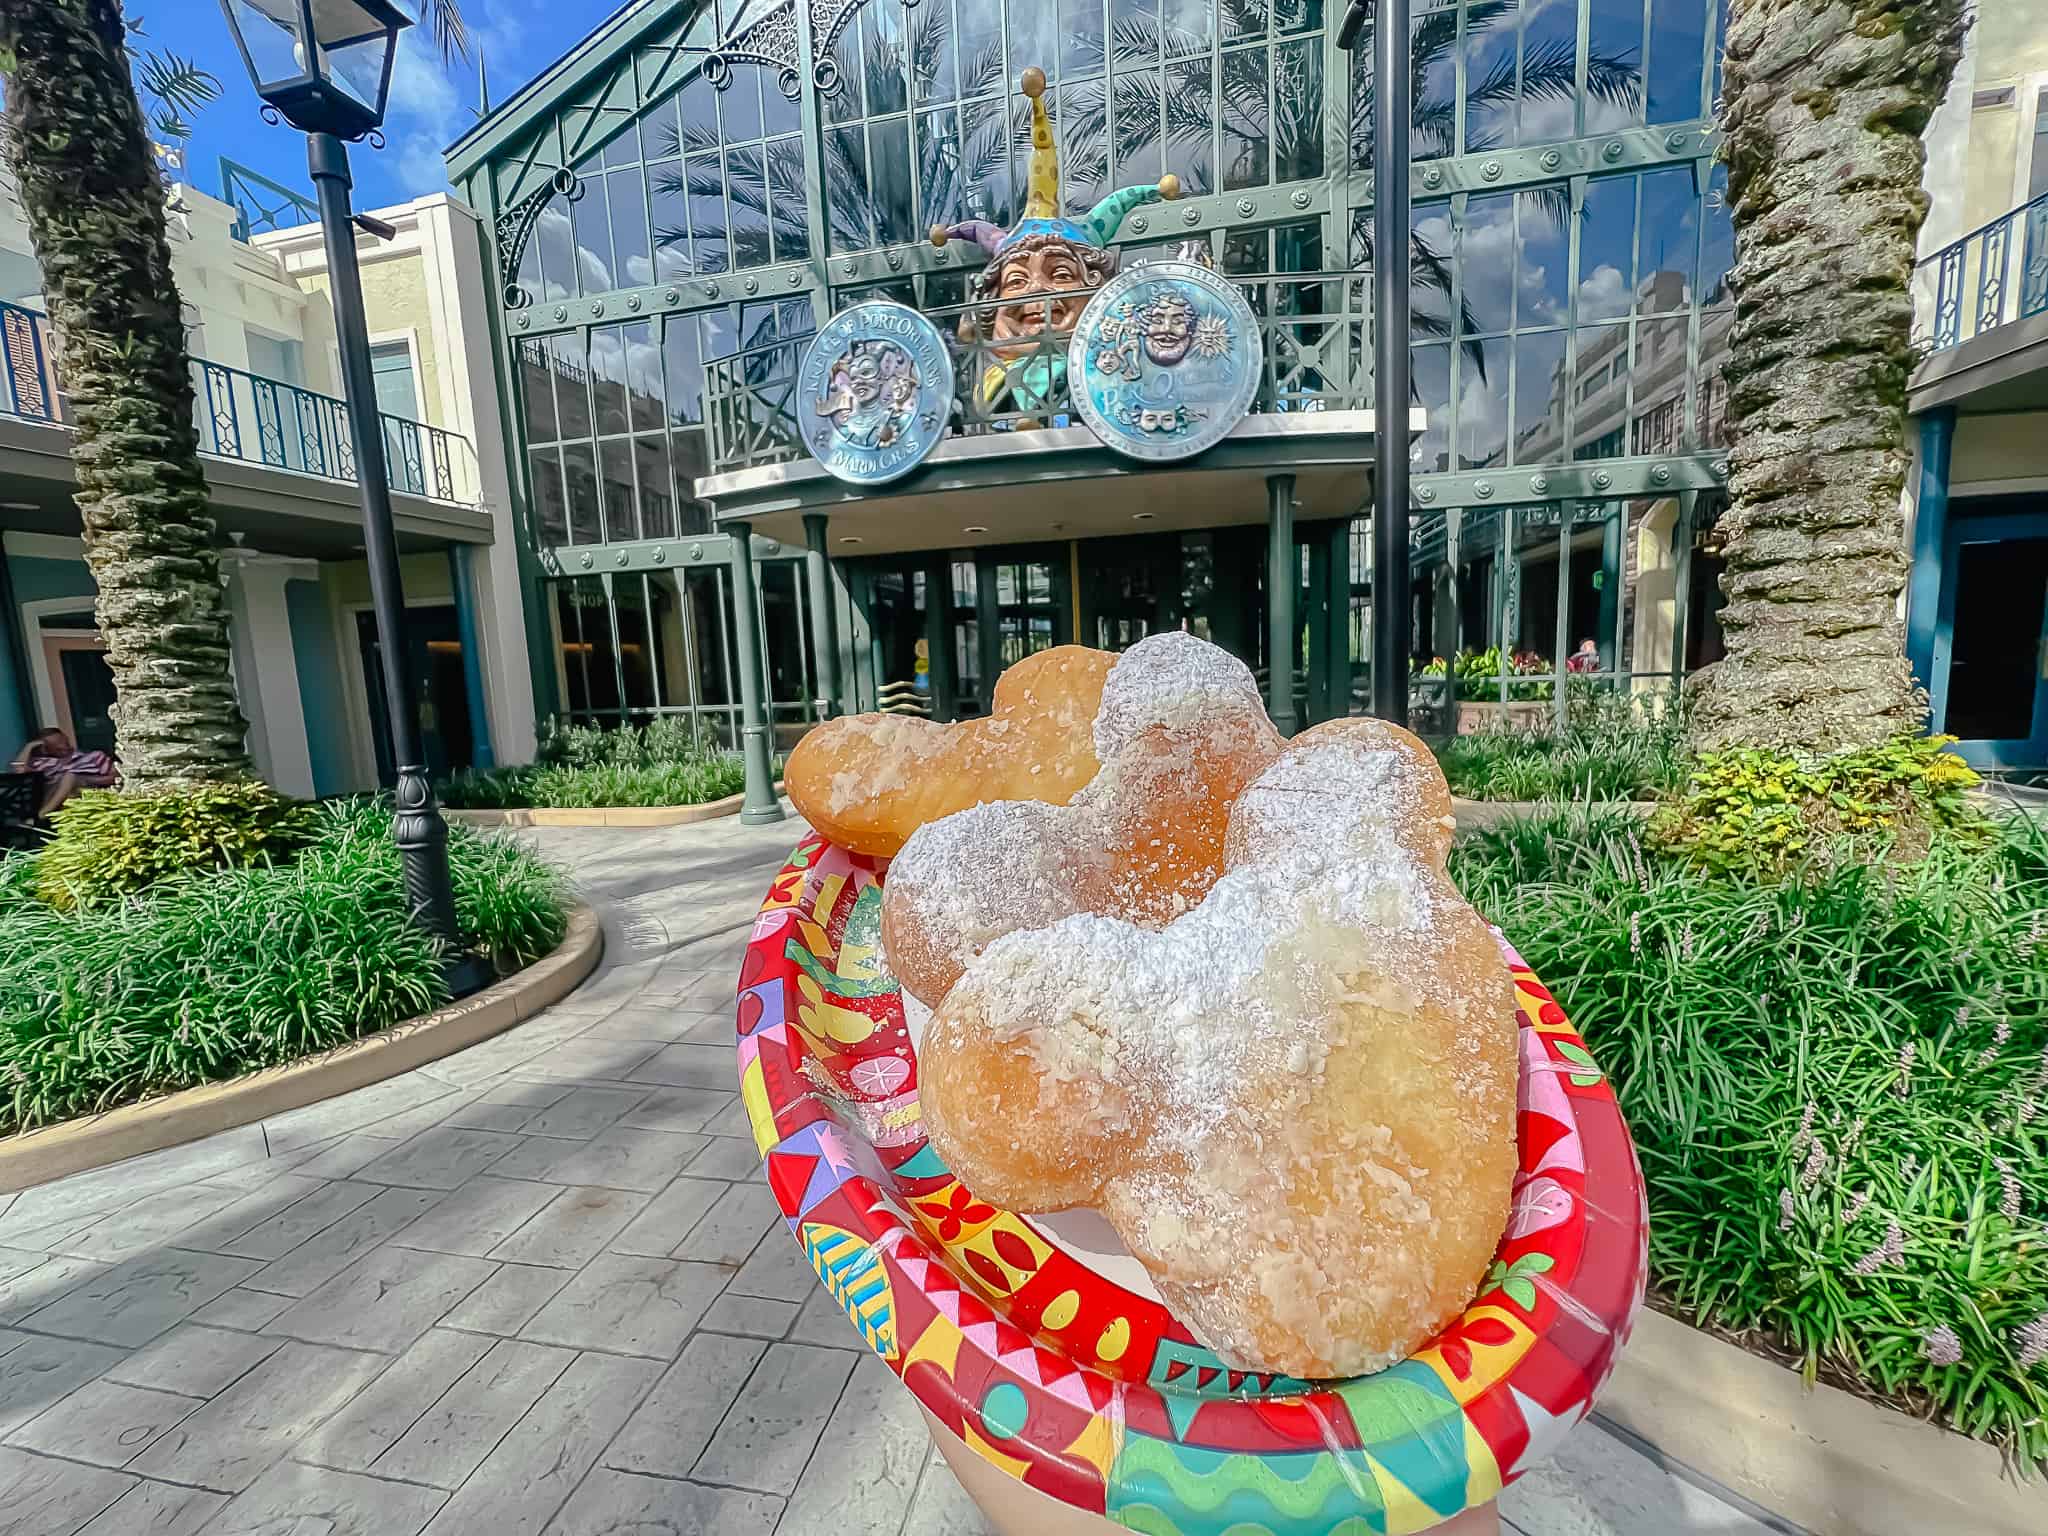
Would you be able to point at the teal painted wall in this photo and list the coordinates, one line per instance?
(320, 692)
(35, 579)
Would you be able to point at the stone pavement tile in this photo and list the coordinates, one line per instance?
(353, 1111)
(868, 1462)
(315, 1209)
(706, 1028)
(228, 1443)
(572, 1229)
(671, 1429)
(677, 1109)
(755, 1316)
(589, 1058)
(734, 1227)
(104, 1422)
(156, 1509)
(441, 1158)
(384, 1301)
(728, 1157)
(422, 1117)
(43, 1497)
(689, 1066)
(507, 1301)
(200, 1362)
(630, 1305)
(824, 1322)
(24, 1292)
(154, 1221)
(344, 1157)
(447, 1442)
(733, 1121)
(582, 1112)
(37, 1373)
(241, 1309)
(538, 1464)
(507, 1106)
(292, 1498)
(501, 1053)
(478, 1216)
(942, 1507)
(17, 1261)
(78, 1199)
(668, 1218)
(611, 1502)
(319, 1259)
(777, 1269)
(610, 988)
(134, 1302)
(615, 1159)
(769, 1433)
(1597, 1486)
(665, 1026)
(383, 1411)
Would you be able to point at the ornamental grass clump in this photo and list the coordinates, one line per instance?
(1613, 747)
(113, 843)
(1838, 1085)
(210, 974)
(581, 766)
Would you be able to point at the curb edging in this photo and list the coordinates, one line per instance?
(74, 1146)
(603, 815)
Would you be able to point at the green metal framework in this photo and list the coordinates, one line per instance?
(705, 176)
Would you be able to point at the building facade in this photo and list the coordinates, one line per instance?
(274, 439)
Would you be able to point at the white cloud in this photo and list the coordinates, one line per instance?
(1604, 295)
(1544, 119)
(425, 116)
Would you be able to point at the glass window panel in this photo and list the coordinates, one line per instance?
(934, 62)
(1034, 34)
(528, 276)
(1430, 252)
(708, 245)
(1246, 122)
(710, 625)
(1430, 370)
(1189, 27)
(781, 598)
(590, 217)
(790, 223)
(886, 58)
(556, 240)
(1135, 107)
(608, 378)
(1482, 405)
(644, 403)
(621, 516)
(1084, 143)
(1600, 379)
(896, 221)
(1297, 15)
(1547, 106)
(572, 382)
(1712, 430)
(1082, 51)
(846, 101)
(668, 216)
(1676, 60)
(550, 510)
(1490, 59)
(1435, 52)
(683, 365)
(1298, 111)
(1614, 63)
(1486, 260)
(628, 193)
(739, 103)
(1607, 249)
(624, 148)
(1243, 18)
(779, 113)
(978, 40)
(1657, 418)
(985, 161)
(1719, 254)
(636, 657)
(579, 475)
(673, 678)
(1540, 259)
(1539, 397)
(939, 167)
(657, 489)
(692, 457)
(537, 390)
(697, 113)
(1190, 124)
(746, 178)
(846, 189)
(1669, 237)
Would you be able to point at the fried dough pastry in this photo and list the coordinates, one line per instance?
(1295, 1102)
(868, 781)
(1179, 733)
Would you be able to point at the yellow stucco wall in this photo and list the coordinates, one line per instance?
(1999, 448)
(2010, 49)
(394, 301)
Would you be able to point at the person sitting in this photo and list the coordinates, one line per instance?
(1586, 658)
(54, 758)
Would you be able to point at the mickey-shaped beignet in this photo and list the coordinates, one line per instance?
(868, 781)
(1295, 1103)
(1179, 732)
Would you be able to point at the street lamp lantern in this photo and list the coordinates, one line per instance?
(324, 65)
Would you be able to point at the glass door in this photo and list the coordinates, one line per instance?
(1991, 641)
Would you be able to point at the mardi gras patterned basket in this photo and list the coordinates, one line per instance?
(1093, 1393)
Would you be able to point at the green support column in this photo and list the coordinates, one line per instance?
(1613, 566)
(824, 624)
(761, 804)
(1321, 630)
(1283, 585)
(1339, 576)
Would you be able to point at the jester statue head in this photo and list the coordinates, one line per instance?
(1043, 253)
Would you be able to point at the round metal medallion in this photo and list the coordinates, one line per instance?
(875, 392)
(1165, 360)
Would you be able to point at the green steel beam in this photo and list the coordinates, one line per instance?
(1283, 586)
(656, 554)
(1586, 480)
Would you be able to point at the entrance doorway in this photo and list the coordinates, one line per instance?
(1991, 646)
(439, 693)
(944, 626)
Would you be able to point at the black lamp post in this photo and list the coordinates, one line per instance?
(1392, 112)
(324, 66)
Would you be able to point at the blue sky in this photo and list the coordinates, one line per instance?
(430, 106)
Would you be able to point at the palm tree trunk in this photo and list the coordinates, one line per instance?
(95, 211)
(1823, 108)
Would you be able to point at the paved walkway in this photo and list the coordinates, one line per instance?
(517, 1292)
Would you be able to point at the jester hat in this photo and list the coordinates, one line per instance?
(1042, 201)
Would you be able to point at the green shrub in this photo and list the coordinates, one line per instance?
(222, 972)
(1615, 747)
(1752, 811)
(112, 843)
(1478, 675)
(1838, 1086)
(691, 782)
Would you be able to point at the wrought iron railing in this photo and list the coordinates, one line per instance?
(1991, 277)
(257, 420)
(1312, 335)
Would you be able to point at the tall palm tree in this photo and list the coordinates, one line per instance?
(76, 141)
(1823, 108)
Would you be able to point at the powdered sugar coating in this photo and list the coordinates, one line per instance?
(1173, 679)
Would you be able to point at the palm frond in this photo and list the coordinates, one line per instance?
(451, 32)
(169, 124)
(179, 83)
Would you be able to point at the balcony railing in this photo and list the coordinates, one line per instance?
(1311, 326)
(256, 420)
(1991, 277)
